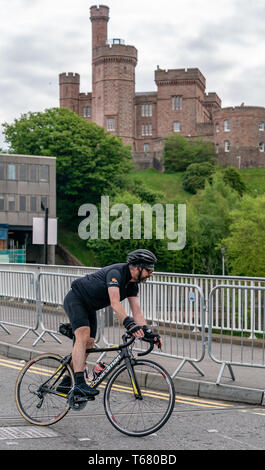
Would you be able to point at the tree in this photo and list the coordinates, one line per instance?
(232, 178)
(90, 162)
(196, 175)
(246, 240)
(213, 213)
(180, 152)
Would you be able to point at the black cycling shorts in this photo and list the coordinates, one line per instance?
(79, 315)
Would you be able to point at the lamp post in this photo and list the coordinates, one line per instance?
(45, 232)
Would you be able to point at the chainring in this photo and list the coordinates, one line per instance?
(78, 403)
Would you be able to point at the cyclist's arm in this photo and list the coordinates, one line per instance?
(136, 311)
(115, 303)
(114, 295)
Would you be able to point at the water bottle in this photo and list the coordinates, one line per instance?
(99, 367)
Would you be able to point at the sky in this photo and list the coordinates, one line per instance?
(39, 39)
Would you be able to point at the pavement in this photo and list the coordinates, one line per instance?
(248, 385)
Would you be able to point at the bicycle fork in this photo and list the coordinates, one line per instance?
(134, 380)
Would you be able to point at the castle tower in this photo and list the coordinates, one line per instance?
(69, 91)
(113, 79)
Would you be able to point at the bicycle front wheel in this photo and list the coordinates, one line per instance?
(35, 391)
(142, 415)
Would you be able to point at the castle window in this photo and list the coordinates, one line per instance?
(110, 124)
(147, 129)
(176, 102)
(146, 110)
(261, 146)
(227, 125)
(227, 146)
(217, 148)
(176, 126)
(86, 111)
(146, 148)
(217, 128)
(261, 126)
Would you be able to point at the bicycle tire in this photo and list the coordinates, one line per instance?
(126, 412)
(38, 403)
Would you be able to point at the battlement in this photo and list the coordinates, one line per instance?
(174, 75)
(212, 98)
(115, 51)
(100, 12)
(69, 78)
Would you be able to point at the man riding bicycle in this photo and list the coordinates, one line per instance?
(106, 287)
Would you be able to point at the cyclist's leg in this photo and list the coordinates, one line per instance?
(83, 324)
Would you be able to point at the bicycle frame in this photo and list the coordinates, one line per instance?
(124, 355)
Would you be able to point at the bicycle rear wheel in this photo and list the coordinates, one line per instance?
(35, 390)
(139, 416)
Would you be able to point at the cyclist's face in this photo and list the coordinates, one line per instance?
(146, 274)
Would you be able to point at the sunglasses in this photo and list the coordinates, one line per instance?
(149, 270)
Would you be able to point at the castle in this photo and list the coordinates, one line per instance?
(180, 105)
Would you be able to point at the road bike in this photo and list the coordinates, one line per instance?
(139, 395)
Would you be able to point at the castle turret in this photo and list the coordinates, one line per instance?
(99, 16)
(69, 91)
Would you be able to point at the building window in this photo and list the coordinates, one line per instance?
(33, 204)
(22, 203)
(261, 146)
(86, 111)
(111, 124)
(11, 174)
(176, 126)
(11, 203)
(227, 146)
(261, 126)
(217, 148)
(22, 172)
(146, 110)
(227, 125)
(2, 203)
(217, 128)
(33, 173)
(2, 171)
(176, 102)
(146, 148)
(147, 129)
(44, 173)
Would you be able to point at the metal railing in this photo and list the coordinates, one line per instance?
(237, 315)
(230, 310)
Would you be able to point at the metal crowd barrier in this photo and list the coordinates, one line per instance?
(51, 290)
(237, 314)
(176, 312)
(18, 301)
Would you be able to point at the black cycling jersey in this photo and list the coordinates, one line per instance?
(93, 288)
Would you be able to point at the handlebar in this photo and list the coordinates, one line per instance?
(132, 339)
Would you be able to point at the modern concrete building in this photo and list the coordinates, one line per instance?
(27, 186)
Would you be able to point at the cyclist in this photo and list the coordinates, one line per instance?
(107, 286)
